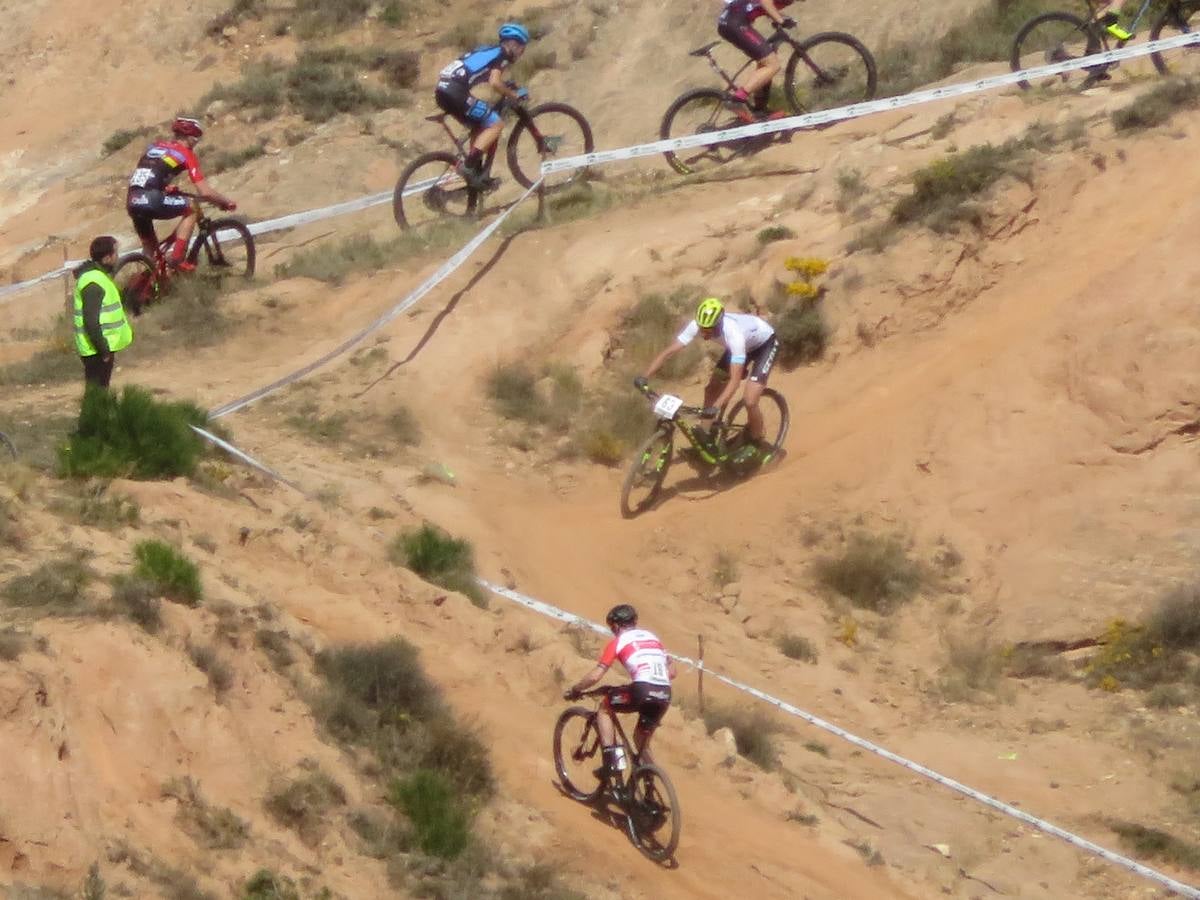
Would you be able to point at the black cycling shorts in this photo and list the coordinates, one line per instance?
(649, 701)
(759, 362)
(455, 98)
(739, 32)
(145, 206)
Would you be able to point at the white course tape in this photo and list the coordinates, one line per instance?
(443, 272)
(246, 458)
(856, 110)
(1040, 824)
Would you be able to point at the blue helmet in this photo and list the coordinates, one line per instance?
(512, 31)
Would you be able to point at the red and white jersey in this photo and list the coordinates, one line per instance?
(642, 655)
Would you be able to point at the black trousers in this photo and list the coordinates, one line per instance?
(96, 371)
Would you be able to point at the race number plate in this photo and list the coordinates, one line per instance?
(667, 406)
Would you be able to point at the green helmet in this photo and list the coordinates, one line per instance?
(709, 312)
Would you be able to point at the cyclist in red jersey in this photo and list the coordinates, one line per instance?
(648, 693)
(152, 196)
(736, 25)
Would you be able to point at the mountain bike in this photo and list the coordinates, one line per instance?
(1060, 36)
(219, 249)
(644, 793)
(432, 186)
(826, 70)
(723, 449)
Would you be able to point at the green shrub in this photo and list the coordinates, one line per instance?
(944, 191)
(317, 18)
(873, 572)
(399, 68)
(121, 138)
(56, 587)
(403, 427)
(441, 821)
(12, 644)
(441, 559)
(260, 90)
(138, 599)
(57, 361)
(513, 388)
(334, 264)
(322, 84)
(794, 646)
(214, 828)
(974, 663)
(217, 161)
(652, 324)
(774, 233)
(174, 575)
(753, 730)
(95, 507)
(276, 645)
(303, 805)
(208, 661)
(802, 335)
(1175, 623)
(266, 885)
(725, 570)
(132, 435)
(1156, 106)
(1153, 844)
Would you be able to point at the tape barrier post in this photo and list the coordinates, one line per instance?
(444, 271)
(856, 110)
(1042, 825)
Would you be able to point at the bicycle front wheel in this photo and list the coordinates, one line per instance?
(138, 282)
(1177, 19)
(1051, 38)
(653, 819)
(776, 420)
(226, 250)
(827, 71)
(577, 753)
(431, 189)
(701, 111)
(545, 132)
(647, 472)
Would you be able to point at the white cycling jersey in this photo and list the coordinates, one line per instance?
(741, 333)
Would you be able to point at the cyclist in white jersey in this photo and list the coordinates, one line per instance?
(648, 693)
(750, 350)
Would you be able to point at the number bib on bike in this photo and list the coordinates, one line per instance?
(667, 406)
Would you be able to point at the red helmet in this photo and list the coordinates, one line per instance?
(185, 127)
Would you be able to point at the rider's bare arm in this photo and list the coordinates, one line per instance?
(203, 189)
(496, 81)
(659, 360)
(736, 371)
(772, 13)
(671, 673)
(589, 679)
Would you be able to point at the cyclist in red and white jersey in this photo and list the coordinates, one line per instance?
(750, 351)
(736, 25)
(152, 196)
(648, 693)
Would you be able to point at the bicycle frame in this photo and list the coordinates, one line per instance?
(591, 738)
(695, 434)
(1133, 26)
(779, 36)
(503, 107)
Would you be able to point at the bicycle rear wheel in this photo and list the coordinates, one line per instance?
(829, 70)
(1050, 38)
(138, 281)
(431, 189)
(226, 250)
(1177, 19)
(563, 131)
(653, 819)
(702, 111)
(577, 753)
(647, 472)
(776, 420)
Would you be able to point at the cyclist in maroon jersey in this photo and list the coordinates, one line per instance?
(152, 196)
(736, 25)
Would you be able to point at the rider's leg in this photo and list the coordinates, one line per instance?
(766, 69)
(641, 743)
(754, 417)
(183, 233)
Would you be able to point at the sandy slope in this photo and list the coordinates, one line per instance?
(1031, 398)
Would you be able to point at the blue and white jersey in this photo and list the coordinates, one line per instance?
(475, 65)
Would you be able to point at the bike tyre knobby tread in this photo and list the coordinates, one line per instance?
(650, 845)
(664, 130)
(138, 260)
(1093, 45)
(769, 395)
(830, 37)
(210, 241)
(564, 778)
(660, 435)
(1173, 17)
(398, 200)
(526, 179)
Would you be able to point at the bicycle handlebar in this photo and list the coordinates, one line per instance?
(653, 395)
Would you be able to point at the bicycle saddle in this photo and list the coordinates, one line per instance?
(704, 51)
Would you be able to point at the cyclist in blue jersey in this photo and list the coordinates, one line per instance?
(453, 95)
(750, 351)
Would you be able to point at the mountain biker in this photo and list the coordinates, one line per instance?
(152, 196)
(750, 350)
(453, 95)
(648, 694)
(736, 25)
